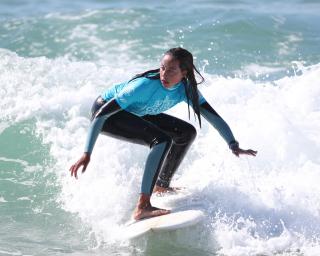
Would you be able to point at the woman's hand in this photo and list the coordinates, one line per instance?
(239, 151)
(84, 160)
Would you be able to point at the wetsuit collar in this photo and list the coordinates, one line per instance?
(171, 88)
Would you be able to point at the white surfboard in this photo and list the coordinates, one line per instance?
(171, 221)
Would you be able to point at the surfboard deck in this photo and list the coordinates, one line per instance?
(171, 221)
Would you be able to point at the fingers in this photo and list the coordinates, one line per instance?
(84, 167)
(250, 152)
(74, 170)
(71, 170)
(240, 151)
(83, 161)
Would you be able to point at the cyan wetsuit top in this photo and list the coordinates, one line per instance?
(145, 96)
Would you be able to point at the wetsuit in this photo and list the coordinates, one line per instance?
(133, 111)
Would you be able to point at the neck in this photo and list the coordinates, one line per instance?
(171, 87)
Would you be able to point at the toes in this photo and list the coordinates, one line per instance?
(159, 212)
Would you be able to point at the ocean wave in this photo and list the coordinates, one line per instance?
(263, 205)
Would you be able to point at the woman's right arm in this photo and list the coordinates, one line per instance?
(107, 110)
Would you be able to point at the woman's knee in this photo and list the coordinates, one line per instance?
(191, 133)
(186, 135)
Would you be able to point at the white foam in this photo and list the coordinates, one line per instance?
(19, 161)
(84, 15)
(2, 200)
(256, 205)
(258, 70)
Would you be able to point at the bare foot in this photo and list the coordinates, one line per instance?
(144, 209)
(148, 211)
(161, 190)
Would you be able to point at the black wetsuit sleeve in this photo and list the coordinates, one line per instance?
(108, 109)
(217, 122)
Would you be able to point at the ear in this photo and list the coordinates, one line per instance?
(184, 73)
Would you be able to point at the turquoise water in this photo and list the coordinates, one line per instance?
(261, 65)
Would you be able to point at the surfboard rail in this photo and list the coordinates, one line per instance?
(168, 222)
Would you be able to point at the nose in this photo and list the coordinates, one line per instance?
(165, 74)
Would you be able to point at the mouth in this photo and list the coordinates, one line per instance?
(164, 82)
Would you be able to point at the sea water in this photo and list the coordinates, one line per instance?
(261, 64)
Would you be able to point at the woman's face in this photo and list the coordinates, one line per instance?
(170, 72)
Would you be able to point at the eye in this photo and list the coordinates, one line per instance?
(172, 71)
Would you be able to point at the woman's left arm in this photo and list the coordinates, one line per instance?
(223, 128)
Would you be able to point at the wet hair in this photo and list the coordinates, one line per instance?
(190, 83)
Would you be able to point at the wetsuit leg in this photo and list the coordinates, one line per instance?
(126, 126)
(182, 134)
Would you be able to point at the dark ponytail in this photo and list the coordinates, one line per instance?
(190, 83)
